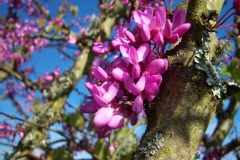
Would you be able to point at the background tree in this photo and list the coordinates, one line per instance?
(134, 72)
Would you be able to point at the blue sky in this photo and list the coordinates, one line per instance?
(49, 59)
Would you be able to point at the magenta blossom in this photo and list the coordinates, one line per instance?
(72, 40)
(157, 27)
(120, 89)
(101, 48)
(124, 1)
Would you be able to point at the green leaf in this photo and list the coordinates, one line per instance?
(10, 25)
(74, 10)
(121, 133)
(41, 21)
(98, 146)
(237, 96)
(75, 120)
(236, 75)
(48, 28)
(232, 70)
(57, 28)
(100, 149)
(126, 157)
(225, 71)
(59, 153)
(61, 15)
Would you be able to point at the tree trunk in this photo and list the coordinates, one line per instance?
(180, 114)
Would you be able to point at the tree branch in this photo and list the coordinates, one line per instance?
(28, 83)
(225, 123)
(42, 9)
(69, 80)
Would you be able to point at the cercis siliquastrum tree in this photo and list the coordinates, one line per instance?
(179, 88)
(190, 89)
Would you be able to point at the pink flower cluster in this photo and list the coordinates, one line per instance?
(47, 78)
(5, 131)
(15, 37)
(119, 89)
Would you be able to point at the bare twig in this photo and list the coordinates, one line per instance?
(30, 84)
(34, 124)
(42, 9)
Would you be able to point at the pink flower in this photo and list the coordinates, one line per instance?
(133, 56)
(124, 1)
(99, 73)
(122, 36)
(71, 40)
(100, 48)
(138, 105)
(77, 53)
(90, 107)
(103, 132)
(157, 66)
(111, 147)
(120, 88)
(159, 28)
(103, 116)
(105, 93)
(179, 26)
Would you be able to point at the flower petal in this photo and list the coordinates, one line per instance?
(103, 132)
(100, 101)
(128, 81)
(159, 39)
(142, 81)
(138, 105)
(168, 29)
(182, 29)
(136, 71)
(133, 118)
(89, 107)
(165, 65)
(174, 38)
(179, 17)
(130, 36)
(152, 88)
(117, 121)
(148, 10)
(112, 92)
(99, 73)
(103, 116)
(149, 97)
(118, 73)
(156, 66)
(142, 52)
(100, 48)
(146, 19)
(133, 55)
(134, 90)
(89, 86)
(160, 17)
(145, 33)
(137, 17)
(124, 51)
(129, 85)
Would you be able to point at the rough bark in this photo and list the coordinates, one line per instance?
(180, 114)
